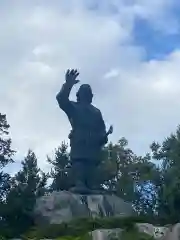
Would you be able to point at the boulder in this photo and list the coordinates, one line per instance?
(106, 234)
(63, 206)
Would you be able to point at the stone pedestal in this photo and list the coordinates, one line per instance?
(64, 206)
(106, 234)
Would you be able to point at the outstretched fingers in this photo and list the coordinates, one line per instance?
(67, 72)
(74, 73)
(71, 76)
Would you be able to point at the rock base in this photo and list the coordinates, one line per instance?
(65, 206)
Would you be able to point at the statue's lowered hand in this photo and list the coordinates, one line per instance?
(71, 76)
(110, 131)
(104, 140)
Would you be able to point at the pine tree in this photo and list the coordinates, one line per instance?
(27, 185)
(60, 171)
(6, 154)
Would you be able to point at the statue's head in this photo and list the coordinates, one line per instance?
(84, 94)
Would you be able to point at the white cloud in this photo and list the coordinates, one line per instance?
(157, 13)
(112, 74)
(41, 41)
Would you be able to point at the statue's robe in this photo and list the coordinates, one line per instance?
(88, 133)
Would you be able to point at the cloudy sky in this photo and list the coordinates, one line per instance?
(128, 50)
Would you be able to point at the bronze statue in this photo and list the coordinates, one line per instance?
(88, 134)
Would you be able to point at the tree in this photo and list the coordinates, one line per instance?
(60, 171)
(130, 176)
(27, 185)
(167, 156)
(6, 154)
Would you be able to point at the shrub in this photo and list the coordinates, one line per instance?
(79, 228)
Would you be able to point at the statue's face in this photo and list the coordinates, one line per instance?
(84, 94)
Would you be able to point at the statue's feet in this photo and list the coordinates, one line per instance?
(80, 188)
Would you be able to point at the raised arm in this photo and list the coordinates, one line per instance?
(63, 96)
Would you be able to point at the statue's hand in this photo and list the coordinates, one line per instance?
(110, 131)
(104, 140)
(71, 76)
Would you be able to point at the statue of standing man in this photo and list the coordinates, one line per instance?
(88, 134)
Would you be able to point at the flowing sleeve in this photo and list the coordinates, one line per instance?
(63, 100)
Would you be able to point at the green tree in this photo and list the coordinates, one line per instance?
(6, 154)
(60, 171)
(130, 176)
(27, 185)
(167, 156)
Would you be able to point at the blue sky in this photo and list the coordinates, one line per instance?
(156, 43)
(129, 51)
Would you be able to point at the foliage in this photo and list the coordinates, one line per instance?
(60, 171)
(130, 176)
(28, 184)
(80, 227)
(6, 154)
(126, 234)
(167, 155)
(5, 143)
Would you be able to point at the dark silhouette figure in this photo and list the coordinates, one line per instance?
(88, 134)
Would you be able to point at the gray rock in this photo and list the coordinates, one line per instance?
(64, 206)
(15, 239)
(106, 234)
(160, 232)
